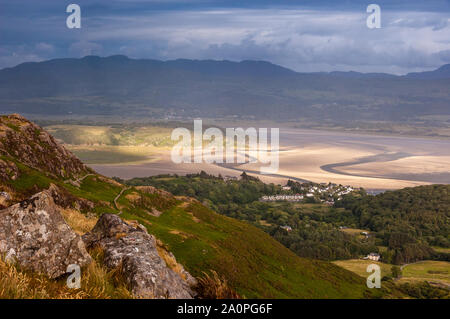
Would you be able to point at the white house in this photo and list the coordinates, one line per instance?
(287, 228)
(373, 256)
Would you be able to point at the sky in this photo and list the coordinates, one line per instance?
(306, 36)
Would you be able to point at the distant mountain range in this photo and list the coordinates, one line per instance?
(121, 86)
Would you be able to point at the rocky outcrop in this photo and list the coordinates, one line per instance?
(8, 170)
(133, 249)
(34, 234)
(65, 199)
(33, 146)
(154, 190)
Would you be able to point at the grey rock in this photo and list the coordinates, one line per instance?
(5, 195)
(34, 234)
(133, 249)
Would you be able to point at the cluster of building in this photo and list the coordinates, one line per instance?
(288, 198)
(324, 193)
(328, 190)
(227, 178)
(373, 256)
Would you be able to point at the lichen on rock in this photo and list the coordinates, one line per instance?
(34, 235)
(133, 249)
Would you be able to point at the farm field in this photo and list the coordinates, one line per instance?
(356, 232)
(434, 271)
(431, 271)
(359, 266)
(442, 249)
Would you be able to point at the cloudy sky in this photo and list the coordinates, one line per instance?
(308, 35)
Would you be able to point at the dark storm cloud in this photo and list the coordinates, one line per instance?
(303, 35)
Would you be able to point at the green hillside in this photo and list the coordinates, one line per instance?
(253, 263)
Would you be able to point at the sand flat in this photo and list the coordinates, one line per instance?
(379, 162)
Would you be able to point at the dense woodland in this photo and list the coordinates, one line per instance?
(408, 222)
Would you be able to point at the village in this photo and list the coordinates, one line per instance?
(311, 192)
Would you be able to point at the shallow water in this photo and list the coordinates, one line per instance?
(384, 148)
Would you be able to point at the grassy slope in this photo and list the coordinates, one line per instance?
(252, 262)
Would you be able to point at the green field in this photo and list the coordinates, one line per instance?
(359, 266)
(432, 271)
(356, 232)
(113, 144)
(116, 135)
(113, 154)
(442, 249)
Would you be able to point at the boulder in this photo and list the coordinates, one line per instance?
(133, 249)
(34, 234)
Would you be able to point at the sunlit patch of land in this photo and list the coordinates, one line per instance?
(359, 266)
(442, 249)
(112, 135)
(104, 154)
(434, 271)
(354, 231)
(114, 144)
(428, 270)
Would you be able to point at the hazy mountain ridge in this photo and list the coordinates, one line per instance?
(118, 85)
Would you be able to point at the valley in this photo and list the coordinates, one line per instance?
(375, 162)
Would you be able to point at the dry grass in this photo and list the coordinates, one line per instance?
(180, 233)
(133, 197)
(97, 282)
(105, 283)
(169, 259)
(17, 284)
(214, 287)
(13, 196)
(80, 223)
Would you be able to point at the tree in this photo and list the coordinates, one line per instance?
(396, 271)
